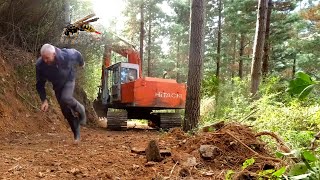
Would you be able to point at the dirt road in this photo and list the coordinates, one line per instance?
(106, 154)
(101, 155)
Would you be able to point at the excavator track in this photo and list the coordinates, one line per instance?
(170, 120)
(117, 121)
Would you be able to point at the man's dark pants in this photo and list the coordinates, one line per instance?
(67, 104)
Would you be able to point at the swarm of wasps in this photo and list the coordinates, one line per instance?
(81, 25)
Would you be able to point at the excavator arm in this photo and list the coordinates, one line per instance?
(130, 53)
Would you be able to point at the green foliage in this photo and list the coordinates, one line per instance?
(209, 85)
(295, 121)
(36, 23)
(279, 172)
(90, 77)
(308, 168)
(264, 174)
(272, 173)
(298, 169)
(229, 174)
(302, 85)
(248, 163)
(233, 100)
(307, 155)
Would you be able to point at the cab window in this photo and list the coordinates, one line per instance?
(128, 75)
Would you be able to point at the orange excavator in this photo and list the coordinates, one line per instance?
(123, 87)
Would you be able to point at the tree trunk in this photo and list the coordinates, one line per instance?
(149, 44)
(258, 46)
(265, 61)
(66, 42)
(233, 62)
(141, 32)
(218, 56)
(196, 53)
(294, 67)
(67, 18)
(219, 41)
(178, 62)
(241, 53)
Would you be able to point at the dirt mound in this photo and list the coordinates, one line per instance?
(19, 102)
(17, 57)
(232, 145)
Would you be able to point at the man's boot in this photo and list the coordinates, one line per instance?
(82, 114)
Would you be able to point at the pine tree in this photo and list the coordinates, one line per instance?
(192, 113)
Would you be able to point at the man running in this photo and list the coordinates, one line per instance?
(58, 67)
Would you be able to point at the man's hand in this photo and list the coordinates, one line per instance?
(44, 106)
(84, 64)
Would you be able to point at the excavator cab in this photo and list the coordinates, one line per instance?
(116, 75)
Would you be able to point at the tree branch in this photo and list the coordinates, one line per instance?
(251, 150)
(313, 142)
(282, 144)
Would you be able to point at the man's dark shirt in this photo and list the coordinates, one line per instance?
(58, 73)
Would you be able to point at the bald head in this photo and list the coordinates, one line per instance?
(48, 53)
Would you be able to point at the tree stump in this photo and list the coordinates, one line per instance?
(153, 152)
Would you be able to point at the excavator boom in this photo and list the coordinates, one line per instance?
(130, 53)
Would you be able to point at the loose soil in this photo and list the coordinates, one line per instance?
(107, 154)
